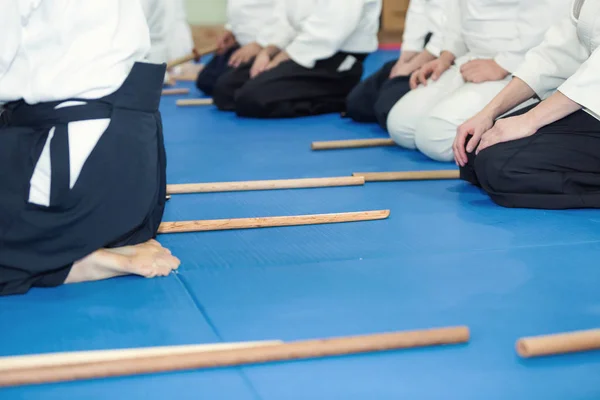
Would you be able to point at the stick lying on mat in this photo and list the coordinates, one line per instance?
(61, 359)
(265, 185)
(352, 144)
(562, 343)
(194, 56)
(194, 102)
(170, 92)
(408, 175)
(226, 358)
(267, 222)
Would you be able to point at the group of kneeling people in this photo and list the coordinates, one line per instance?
(508, 89)
(463, 65)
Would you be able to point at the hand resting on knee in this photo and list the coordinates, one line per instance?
(433, 69)
(479, 71)
(244, 54)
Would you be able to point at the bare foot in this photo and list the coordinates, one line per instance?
(148, 259)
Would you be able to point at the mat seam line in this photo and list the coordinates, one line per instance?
(212, 326)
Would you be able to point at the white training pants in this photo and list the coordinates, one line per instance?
(427, 118)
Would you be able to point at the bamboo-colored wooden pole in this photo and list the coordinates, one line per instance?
(408, 175)
(193, 56)
(171, 92)
(562, 343)
(268, 222)
(194, 102)
(61, 359)
(265, 185)
(307, 349)
(352, 144)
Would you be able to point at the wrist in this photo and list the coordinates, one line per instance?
(447, 58)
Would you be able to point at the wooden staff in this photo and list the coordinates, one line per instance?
(194, 102)
(171, 92)
(267, 222)
(352, 144)
(226, 358)
(60, 359)
(265, 185)
(408, 175)
(195, 55)
(561, 343)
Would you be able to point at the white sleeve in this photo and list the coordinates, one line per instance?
(11, 35)
(325, 30)
(437, 21)
(583, 87)
(280, 33)
(416, 26)
(157, 16)
(453, 38)
(533, 21)
(550, 64)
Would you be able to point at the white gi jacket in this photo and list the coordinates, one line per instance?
(53, 50)
(311, 30)
(179, 40)
(569, 58)
(159, 26)
(500, 29)
(246, 18)
(424, 17)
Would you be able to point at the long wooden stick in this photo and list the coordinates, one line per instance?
(352, 144)
(170, 92)
(267, 222)
(408, 175)
(194, 102)
(193, 56)
(561, 343)
(60, 359)
(288, 351)
(265, 185)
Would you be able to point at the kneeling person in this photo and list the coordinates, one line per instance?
(373, 98)
(545, 156)
(312, 58)
(82, 160)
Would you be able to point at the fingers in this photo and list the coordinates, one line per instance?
(460, 155)
(474, 142)
(414, 80)
(423, 75)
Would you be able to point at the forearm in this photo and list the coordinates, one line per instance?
(448, 57)
(421, 59)
(551, 110)
(515, 93)
(271, 50)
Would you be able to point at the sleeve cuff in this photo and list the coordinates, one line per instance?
(534, 80)
(412, 46)
(584, 96)
(509, 62)
(456, 48)
(301, 56)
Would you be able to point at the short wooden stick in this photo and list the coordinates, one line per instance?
(352, 144)
(265, 185)
(171, 92)
(268, 222)
(409, 175)
(194, 102)
(307, 349)
(562, 343)
(193, 56)
(61, 359)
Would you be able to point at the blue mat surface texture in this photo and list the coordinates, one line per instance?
(446, 256)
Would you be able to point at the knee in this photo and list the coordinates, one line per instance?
(358, 107)
(223, 94)
(205, 83)
(434, 138)
(494, 171)
(248, 102)
(400, 125)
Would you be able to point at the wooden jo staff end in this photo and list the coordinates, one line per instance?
(409, 175)
(556, 344)
(194, 102)
(171, 92)
(352, 144)
(195, 55)
(265, 185)
(268, 222)
(307, 349)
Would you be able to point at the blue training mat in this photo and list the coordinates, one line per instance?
(446, 256)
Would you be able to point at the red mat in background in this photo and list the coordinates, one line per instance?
(390, 46)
